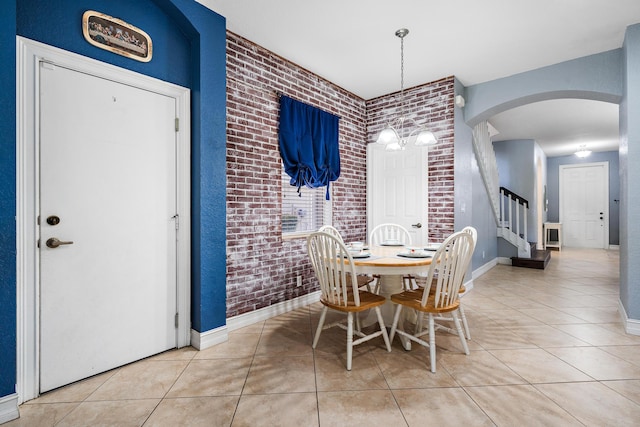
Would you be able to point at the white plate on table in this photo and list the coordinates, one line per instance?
(432, 247)
(417, 254)
(358, 255)
(392, 243)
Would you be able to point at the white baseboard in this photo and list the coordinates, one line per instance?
(614, 247)
(479, 272)
(631, 326)
(468, 285)
(504, 260)
(265, 313)
(484, 268)
(203, 340)
(9, 408)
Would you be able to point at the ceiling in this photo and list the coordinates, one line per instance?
(352, 44)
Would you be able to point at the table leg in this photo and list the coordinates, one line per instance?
(390, 285)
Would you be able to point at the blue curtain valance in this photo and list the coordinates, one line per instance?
(308, 139)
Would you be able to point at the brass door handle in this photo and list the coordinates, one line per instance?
(55, 242)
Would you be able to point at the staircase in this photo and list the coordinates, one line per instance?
(509, 209)
(512, 225)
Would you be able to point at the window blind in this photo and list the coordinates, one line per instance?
(303, 212)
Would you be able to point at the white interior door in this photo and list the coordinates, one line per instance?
(584, 208)
(397, 189)
(108, 189)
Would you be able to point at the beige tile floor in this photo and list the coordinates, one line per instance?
(548, 349)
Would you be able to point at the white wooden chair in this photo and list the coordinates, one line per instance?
(331, 230)
(446, 273)
(389, 232)
(336, 274)
(363, 280)
(463, 291)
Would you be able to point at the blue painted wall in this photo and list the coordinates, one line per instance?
(463, 167)
(189, 50)
(553, 187)
(517, 172)
(171, 61)
(208, 168)
(470, 193)
(630, 175)
(483, 221)
(594, 77)
(7, 198)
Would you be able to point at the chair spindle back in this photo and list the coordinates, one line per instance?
(334, 268)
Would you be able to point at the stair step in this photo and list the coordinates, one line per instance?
(539, 259)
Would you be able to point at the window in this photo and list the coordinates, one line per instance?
(306, 213)
(309, 148)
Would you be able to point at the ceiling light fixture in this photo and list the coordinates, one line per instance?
(583, 152)
(393, 136)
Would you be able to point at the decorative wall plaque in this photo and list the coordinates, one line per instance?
(117, 36)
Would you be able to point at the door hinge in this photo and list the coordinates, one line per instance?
(176, 217)
(177, 124)
(176, 320)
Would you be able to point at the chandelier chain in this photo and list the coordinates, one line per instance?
(402, 76)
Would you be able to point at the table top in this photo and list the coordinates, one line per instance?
(385, 260)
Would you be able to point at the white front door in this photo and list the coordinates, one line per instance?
(584, 209)
(108, 194)
(397, 189)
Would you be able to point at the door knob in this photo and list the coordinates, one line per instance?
(418, 225)
(55, 242)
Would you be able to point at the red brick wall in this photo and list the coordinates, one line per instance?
(431, 104)
(261, 266)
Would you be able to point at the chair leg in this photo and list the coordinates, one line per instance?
(456, 321)
(464, 322)
(383, 329)
(349, 339)
(432, 343)
(323, 315)
(376, 287)
(420, 315)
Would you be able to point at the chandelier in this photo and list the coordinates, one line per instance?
(404, 130)
(583, 152)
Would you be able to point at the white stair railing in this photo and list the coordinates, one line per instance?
(513, 218)
(516, 209)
